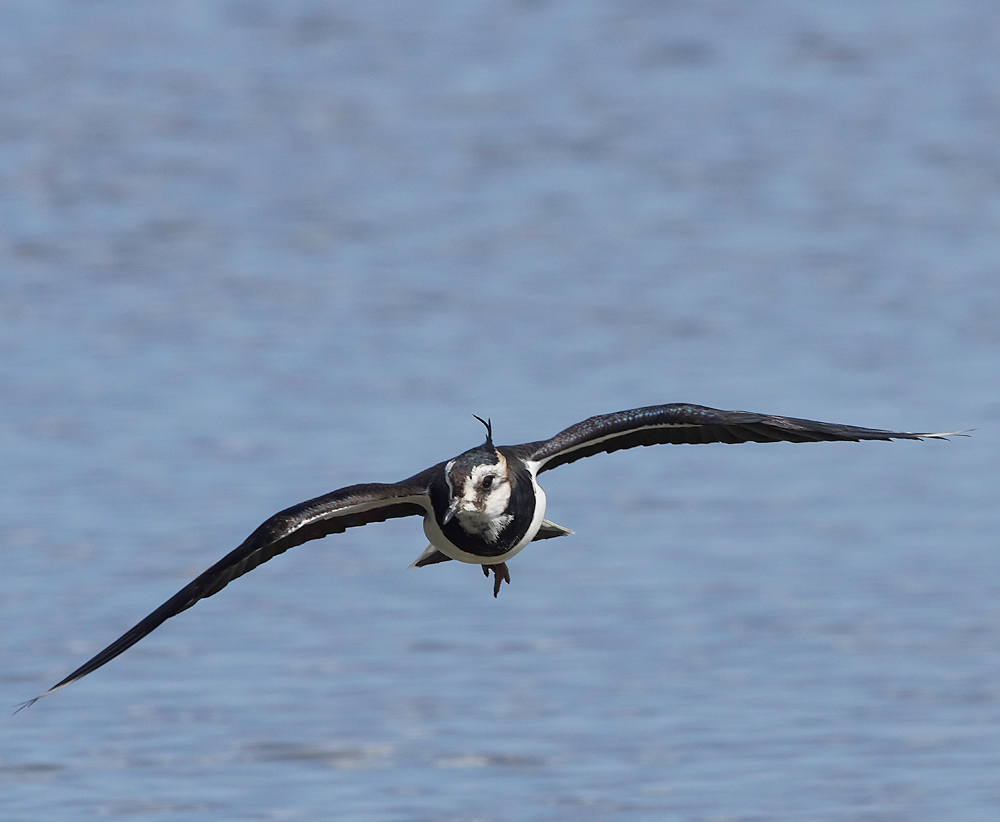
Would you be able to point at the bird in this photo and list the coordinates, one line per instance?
(485, 505)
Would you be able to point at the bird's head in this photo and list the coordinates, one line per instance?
(479, 487)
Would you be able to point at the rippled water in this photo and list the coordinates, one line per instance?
(253, 251)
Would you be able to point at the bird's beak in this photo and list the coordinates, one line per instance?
(455, 505)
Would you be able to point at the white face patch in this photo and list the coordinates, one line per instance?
(485, 495)
(447, 478)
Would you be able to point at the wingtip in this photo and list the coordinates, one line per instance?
(28, 704)
(945, 435)
(52, 690)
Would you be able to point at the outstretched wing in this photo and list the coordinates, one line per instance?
(683, 423)
(332, 513)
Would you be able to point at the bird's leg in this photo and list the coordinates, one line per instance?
(500, 574)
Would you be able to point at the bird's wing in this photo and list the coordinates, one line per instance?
(331, 513)
(683, 423)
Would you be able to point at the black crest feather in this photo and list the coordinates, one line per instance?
(489, 429)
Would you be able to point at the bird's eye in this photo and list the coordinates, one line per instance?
(488, 482)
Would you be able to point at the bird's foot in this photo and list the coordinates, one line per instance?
(500, 574)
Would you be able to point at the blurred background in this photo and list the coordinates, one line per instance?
(252, 251)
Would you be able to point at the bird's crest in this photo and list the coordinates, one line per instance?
(489, 429)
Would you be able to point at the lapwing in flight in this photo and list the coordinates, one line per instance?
(483, 506)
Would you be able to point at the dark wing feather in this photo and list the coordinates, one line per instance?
(683, 423)
(332, 513)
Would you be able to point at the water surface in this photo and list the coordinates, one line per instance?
(254, 251)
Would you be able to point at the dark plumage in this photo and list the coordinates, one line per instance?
(485, 505)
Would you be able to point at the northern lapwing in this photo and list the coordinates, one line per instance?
(485, 505)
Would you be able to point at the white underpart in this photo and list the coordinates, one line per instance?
(420, 499)
(535, 465)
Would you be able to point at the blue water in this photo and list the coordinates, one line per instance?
(252, 251)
